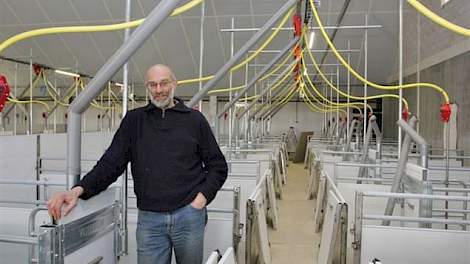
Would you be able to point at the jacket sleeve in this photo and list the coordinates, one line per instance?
(215, 165)
(111, 165)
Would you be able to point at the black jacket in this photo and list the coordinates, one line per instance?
(173, 156)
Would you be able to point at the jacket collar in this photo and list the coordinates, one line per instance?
(179, 106)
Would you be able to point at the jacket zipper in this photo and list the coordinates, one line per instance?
(163, 113)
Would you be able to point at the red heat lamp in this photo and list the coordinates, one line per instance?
(4, 91)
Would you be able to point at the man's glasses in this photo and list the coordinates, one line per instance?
(163, 84)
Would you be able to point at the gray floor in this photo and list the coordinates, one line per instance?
(295, 240)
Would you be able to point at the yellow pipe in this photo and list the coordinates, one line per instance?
(29, 101)
(326, 99)
(58, 101)
(251, 57)
(338, 105)
(261, 79)
(266, 43)
(81, 29)
(317, 109)
(343, 93)
(439, 20)
(360, 77)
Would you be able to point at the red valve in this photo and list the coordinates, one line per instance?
(37, 69)
(225, 115)
(445, 112)
(44, 115)
(405, 114)
(66, 115)
(297, 25)
(4, 91)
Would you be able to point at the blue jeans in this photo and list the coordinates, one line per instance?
(182, 230)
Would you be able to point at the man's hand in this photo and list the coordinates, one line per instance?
(69, 198)
(199, 202)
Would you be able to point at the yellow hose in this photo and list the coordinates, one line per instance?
(345, 94)
(326, 99)
(94, 103)
(278, 99)
(266, 43)
(221, 90)
(27, 102)
(226, 89)
(338, 105)
(439, 20)
(251, 57)
(57, 101)
(360, 77)
(81, 29)
(315, 108)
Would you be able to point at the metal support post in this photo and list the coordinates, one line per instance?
(337, 101)
(240, 53)
(365, 76)
(201, 52)
(402, 160)
(30, 131)
(230, 114)
(400, 69)
(259, 75)
(268, 87)
(348, 118)
(122, 55)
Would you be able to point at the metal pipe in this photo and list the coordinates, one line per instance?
(201, 48)
(417, 196)
(338, 23)
(348, 118)
(415, 219)
(275, 94)
(261, 74)
(125, 93)
(19, 240)
(230, 114)
(228, 65)
(31, 92)
(95, 86)
(267, 89)
(398, 179)
(365, 76)
(270, 109)
(400, 68)
(312, 50)
(310, 28)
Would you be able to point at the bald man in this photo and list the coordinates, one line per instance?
(177, 168)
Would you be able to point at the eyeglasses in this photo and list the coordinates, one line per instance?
(163, 84)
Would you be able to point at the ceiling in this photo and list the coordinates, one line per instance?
(177, 41)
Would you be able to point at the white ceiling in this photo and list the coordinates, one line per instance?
(177, 41)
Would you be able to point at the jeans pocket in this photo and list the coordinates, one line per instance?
(194, 208)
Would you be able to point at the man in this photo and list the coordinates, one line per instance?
(177, 168)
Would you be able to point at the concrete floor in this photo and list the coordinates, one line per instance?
(295, 240)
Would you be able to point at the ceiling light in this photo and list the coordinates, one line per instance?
(119, 84)
(67, 73)
(310, 40)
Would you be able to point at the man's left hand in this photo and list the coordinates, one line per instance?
(199, 202)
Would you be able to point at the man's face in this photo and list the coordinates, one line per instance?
(161, 86)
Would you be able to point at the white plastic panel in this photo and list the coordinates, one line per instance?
(18, 162)
(213, 258)
(228, 257)
(414, 246)
(328, 229)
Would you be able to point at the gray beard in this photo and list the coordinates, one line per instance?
(165, 103)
